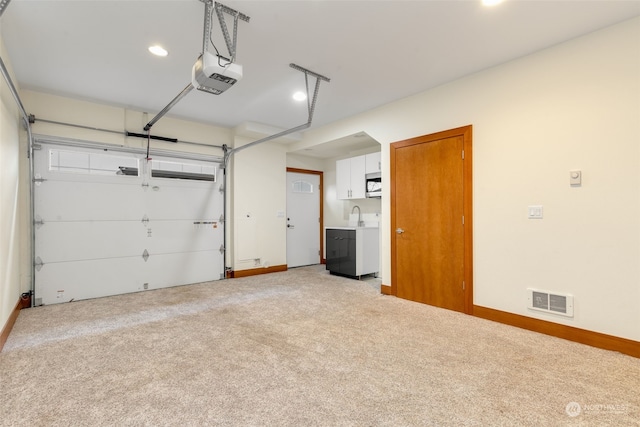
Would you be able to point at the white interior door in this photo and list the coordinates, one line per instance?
(303, 219)
(108, 223)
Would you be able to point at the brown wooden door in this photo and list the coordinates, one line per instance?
(429, 250)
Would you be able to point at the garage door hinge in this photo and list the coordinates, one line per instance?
(38, 222)
(38, 263)
(39, 180)
(221, 249)
(145, 220)
(145, 255)
(145, 185)
(221, 219)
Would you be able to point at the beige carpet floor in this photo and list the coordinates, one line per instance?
(299, 348)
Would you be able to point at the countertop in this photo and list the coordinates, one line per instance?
(350, 228)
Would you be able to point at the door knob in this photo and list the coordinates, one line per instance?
(399, 230)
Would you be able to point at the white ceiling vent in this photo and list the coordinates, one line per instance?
(549, 302)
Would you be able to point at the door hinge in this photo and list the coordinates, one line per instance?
(462, 219)
(463, 285)
(462, 154)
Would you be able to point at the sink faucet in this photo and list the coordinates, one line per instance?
(359, 214)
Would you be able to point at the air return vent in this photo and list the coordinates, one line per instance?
(549, 302)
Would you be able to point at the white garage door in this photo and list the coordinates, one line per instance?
(109, 223)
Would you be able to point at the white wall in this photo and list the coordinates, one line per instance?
(11, 206)
(305, 162)
(573, 106)
(259, 205)
(61, 109)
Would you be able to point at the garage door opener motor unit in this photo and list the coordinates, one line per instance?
(213, 73)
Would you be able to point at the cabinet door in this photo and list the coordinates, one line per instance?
(333, 250)
(343, 178)
(341, 251)
(348, 265)
(358, 181)
(372, 163)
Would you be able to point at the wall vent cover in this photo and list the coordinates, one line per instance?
(549, 302)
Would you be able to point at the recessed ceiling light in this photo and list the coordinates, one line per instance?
(299, 96)
(491, 2)
(158, 50)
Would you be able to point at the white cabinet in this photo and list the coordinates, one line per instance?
(372, 163)
(350, 181)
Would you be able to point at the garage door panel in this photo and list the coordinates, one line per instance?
(77, 201)
(73, 281)
(186, 202)
(76, 241)
(166, 270)
(184, 236)
(66, 281)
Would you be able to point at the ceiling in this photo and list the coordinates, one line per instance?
(374, 52)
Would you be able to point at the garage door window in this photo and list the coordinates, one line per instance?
(80, 162)
(180, 170)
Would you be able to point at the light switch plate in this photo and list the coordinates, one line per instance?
(535, 212)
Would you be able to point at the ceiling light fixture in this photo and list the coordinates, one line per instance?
(158, 50)
(491, 2)
(299, 96)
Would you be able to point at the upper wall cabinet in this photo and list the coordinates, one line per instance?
(350, 180)
(372, 163)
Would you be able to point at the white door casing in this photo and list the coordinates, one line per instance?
(303, 219)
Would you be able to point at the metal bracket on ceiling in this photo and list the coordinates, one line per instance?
(3, 5)
(220, 9)
(311, 101)
(311, 105)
